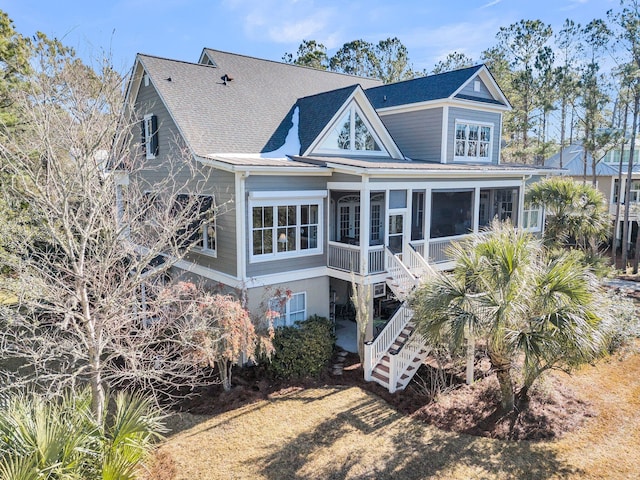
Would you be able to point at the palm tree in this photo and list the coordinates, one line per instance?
(59, 439)
(574, 210)
(508, 292)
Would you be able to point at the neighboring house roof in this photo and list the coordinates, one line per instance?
(573, 163)
(424, 89)
(241, 116)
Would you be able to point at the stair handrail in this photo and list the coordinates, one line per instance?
(400, 275)
(383, 342)
(418, 262)
(403, 359)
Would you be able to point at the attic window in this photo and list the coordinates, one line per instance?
(351, 134)
(476, 85)
(146, 80)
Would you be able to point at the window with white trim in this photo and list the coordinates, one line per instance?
(531, 217)
(286, 227)
(150, 135)
(473, 141)
(289, 311)
(352, 133)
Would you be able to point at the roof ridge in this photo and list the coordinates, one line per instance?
(335, 90)
(476, 67)
(195, 64)
(293, 65)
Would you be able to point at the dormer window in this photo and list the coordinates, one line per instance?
(351, 134)
(473, 141)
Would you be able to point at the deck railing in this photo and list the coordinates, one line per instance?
(344, 257)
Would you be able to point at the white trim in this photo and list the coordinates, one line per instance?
(241, 227)
(291, 195)
(445, 134)
(298, 251)
(463, 159)
(371, 118)
(470, 104)
(352, 109)
(287, 277)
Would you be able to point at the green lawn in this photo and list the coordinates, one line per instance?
(346, 433)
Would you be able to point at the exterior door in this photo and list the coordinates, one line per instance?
(395, 239)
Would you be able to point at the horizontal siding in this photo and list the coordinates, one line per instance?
(174, 159)
(483, 93)
(344, 177)
(276, 183)
(456, 113)
(221, 185)
(417, 133)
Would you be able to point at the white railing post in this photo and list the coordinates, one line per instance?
(368, 361)
(392, 372)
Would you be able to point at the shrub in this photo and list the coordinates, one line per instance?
(302, 350)
(622, 325)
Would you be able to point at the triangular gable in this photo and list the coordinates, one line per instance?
(206, 58)
(354, 128)
(488, 82)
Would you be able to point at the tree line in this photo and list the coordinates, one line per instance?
(574, 84)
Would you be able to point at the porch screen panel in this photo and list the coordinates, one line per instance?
(451, 213)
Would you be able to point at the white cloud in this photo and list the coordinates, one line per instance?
(491, 4)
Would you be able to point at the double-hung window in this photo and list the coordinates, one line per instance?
(288, 311)
(150, 135)
(285, 227)
(473, 141)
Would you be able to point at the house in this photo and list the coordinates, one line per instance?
(334, 179)
(609, 178)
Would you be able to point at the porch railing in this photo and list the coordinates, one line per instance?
(344, 257)
(438, 248)
(376, 259)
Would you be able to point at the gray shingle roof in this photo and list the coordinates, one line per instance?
(242, 116)
(432, 87)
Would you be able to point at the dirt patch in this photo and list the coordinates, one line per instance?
(553, 408)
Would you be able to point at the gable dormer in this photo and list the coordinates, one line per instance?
(351, 128)
(453, 117)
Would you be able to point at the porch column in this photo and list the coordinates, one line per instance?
(476, 209)
(369, 334)
(365, 221)
(427, 223)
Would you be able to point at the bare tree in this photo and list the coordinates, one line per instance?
(90, 308)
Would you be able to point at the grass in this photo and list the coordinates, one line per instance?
(346, 433)
(7, 298)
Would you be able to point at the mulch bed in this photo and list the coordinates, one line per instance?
(551, 411)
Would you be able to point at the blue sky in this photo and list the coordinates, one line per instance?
(268, 28)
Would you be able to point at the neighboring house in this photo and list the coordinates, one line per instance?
(334, 179)
(608, 180)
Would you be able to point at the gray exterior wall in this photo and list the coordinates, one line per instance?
(276, 183)
(457, 113)
(483, 93)
(317, 290)
(174, 158)
(418, 134)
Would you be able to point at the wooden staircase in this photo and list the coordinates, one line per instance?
(393, 358)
